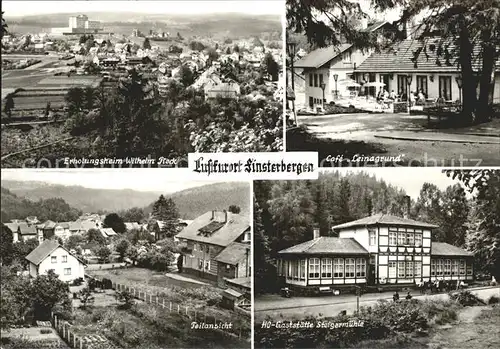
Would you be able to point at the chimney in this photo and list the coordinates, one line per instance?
(315, 232)
(213, 214)
(407, 204)
(225, 216)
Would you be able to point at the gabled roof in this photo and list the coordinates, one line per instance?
(236, 225)
(375, 26)
(106, 232)
(12, 226)
(132, 225)
(47, 225)
(384, 219)
(233, 253)
(444, 249)
(45, 249)
(321, 56)
(327, 245)
(399, 58)
(26, 229)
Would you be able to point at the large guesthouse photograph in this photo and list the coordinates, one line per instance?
(378, 250)
(377, 258)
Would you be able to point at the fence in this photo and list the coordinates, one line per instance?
(192, 313)
(63, 328)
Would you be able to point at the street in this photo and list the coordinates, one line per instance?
(406, 136)
(324, 306)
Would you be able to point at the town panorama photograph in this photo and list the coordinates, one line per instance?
(394, 82)
(139, 83)
(92, 260)
(378, 258)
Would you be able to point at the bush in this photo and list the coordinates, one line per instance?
(45, 331)
(466, 298)
(493, 300)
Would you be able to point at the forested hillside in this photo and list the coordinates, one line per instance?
(55, 209)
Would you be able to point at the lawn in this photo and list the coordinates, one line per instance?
(31, 337)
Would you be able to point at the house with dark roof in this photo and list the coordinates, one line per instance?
(433, 72)
(23, 231)
(334, 66)
(217, 245)
(377, 250)
(237, 295)
(49, 255)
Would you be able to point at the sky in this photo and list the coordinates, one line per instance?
(411, 179)
(24, 8)
(147, 179)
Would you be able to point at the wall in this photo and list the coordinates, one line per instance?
(77, 268)
(192, 261)
(360, 234)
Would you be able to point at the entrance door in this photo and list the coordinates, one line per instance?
(371, 274)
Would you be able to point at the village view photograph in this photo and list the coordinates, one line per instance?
(378, 258)
(100, 260)
(139, 79)
(394, 82)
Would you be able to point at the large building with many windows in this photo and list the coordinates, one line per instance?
(377, 250)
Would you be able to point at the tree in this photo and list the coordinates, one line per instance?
(126, 298)
(135, 214)
(48, 291)
(212, 54)
(271, 67)
(74, 241)
(4, 29)
(6, 247)
(103, 254)
(115, 222)
(228, 51)
(75, 98)
(323, 26)
(236, 49)
(186, 76)
(22, 248)
(9, 105)
(234, 209)
(165, 209)
(146, 44)
(484, 239)
(86, 297)
(132, 253)
(95, 236)
(121, 248)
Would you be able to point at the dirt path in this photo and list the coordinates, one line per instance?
(476, 328)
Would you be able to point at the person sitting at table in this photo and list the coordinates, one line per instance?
(386, 94)
(393, 95)
(421, 96)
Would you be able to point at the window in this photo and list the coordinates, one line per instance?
(346, 57)
(409, 270)
(422, 84)
(320, 79)
(439, 267)
(53, 259)
(418, 239)
(65, 259)
(392, 269)
(195, 247)
(447, 267)
(67, 271)
(462, 267)
(310, 79)
(445, 87)
(338, 268)
(469, 268)
(401, 239)
(454, 267)
(200, 264)
(311, 102)
(302, 269)
(403, 86)
(326, 268)
(393, 236)
(314, 268)
(433, 267)
(295, 269)
(360, 267)
(418, 269)
(373, 237)
(410, 239)
(401, 270)
(349, 267)
(315, 80)
(207, 265)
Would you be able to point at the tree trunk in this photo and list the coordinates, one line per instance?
(483, 110)
(468, 79)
